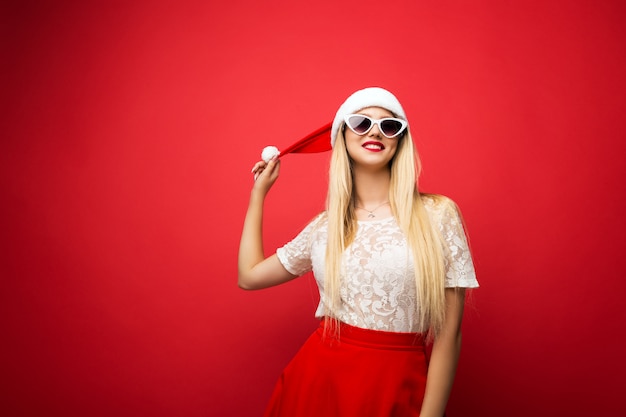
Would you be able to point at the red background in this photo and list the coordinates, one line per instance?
(128, 132)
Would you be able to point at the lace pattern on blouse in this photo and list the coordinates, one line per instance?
(377, 282)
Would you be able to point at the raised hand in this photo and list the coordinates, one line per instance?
(265, 174)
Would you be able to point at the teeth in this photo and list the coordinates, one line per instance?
(373, 146)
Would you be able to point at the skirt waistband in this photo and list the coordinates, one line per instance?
(377, 339)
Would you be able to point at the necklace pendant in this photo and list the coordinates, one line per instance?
(371, 215)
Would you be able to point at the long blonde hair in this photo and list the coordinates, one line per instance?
(407, 206)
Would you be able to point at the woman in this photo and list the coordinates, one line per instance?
(391, 263)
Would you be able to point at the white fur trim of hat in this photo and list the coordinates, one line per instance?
(368, 97)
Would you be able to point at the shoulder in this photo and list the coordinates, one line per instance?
(444, 213)
(311, 232)
(319, 219)
(318, 222)
(438, 204)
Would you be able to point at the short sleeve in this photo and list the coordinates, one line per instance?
(295, 256)
(458, 258)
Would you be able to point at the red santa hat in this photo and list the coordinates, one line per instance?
(323, 139)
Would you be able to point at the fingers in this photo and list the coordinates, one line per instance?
(257, 169)
(271, 168)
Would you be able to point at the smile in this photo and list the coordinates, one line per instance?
(373, 146)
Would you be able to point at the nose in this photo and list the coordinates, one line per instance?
(374, 131)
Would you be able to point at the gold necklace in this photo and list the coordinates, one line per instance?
(371, 214)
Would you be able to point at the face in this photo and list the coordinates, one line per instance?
(373, 149)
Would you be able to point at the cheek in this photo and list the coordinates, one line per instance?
(393, 147)
(351, 142)
(350, 148)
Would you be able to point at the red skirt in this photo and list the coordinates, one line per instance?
(364, 373)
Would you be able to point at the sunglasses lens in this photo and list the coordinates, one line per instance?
(359, 124)
(390, 127)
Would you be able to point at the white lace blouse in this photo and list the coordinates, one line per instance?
(379, 291)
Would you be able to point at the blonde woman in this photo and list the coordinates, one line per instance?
(391, 263)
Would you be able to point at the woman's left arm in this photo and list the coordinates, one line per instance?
(444, 357)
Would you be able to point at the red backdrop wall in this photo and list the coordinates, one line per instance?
(128, 132)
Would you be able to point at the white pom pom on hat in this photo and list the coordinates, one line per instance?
(269, 152)
(368, 97)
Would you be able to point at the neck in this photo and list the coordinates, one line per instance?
(371, 188)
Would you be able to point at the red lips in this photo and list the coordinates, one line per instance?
(373, 146)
